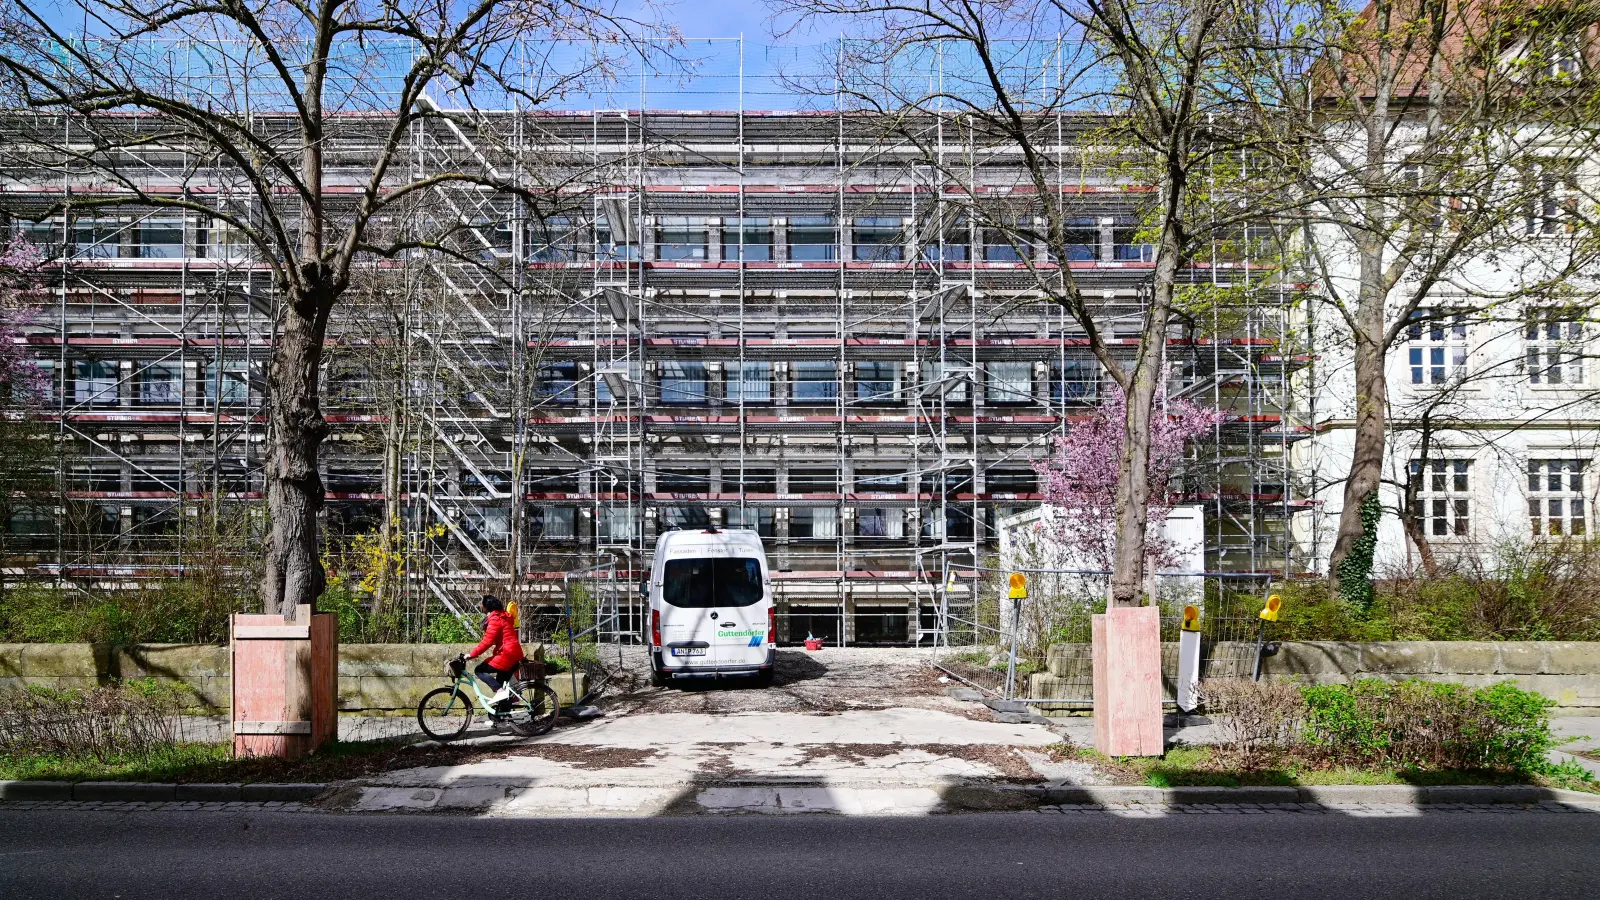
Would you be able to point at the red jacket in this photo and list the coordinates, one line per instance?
(499, 633)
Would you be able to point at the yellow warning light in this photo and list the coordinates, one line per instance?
(1270, 611)
(1019, 586)
(1191, 618)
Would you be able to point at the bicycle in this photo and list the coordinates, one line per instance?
(446, 713)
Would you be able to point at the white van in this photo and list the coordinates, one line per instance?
(711, 613)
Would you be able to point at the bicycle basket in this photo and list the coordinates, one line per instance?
(456, 667)
(530, 670)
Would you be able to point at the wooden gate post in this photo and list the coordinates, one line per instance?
(285, 683)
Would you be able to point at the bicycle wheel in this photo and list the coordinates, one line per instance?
(535, 709)
(445, 713)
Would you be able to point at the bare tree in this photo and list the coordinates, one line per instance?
(1436, 144)
(307, 107)
(1160, 83)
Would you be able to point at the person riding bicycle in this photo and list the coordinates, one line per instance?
(499, 633)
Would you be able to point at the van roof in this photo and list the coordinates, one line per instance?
(706, 538)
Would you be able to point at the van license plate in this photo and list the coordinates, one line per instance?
(688, 651)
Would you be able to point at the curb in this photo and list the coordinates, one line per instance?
(752, 796)
(1321, 795)
(153, 792)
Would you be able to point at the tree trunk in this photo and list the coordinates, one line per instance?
(1366, 459)
(293, 573)
(387, 586)
(1133, 472)
(1419, 538)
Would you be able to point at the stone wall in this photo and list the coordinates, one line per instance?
(1568, 672)
(377, 677)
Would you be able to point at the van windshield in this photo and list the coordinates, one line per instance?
(708, 583)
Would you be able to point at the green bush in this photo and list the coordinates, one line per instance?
(444, 628)
(1419, 725)
(1550, 591)
(161, 612)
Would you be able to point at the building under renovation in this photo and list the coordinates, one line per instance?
(774, 321)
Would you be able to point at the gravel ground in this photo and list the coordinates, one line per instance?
(816, 682)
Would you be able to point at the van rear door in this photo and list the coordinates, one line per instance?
(714, 602)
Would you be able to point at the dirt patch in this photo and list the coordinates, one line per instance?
(719, 763)
(581, 756)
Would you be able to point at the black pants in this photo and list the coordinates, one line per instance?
(491, 676)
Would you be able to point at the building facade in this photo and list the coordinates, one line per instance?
(773, 321)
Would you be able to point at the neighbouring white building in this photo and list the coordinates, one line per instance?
(1493, 422)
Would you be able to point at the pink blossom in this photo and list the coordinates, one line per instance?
(1079, 477)
(22, 382)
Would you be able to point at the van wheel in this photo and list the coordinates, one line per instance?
(657, 678)
(764, 678)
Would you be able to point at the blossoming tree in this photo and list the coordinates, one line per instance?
(1079, 477)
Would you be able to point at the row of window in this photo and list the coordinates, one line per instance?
(875, 239)
(1557, 498)
(102, 383)
(805, 523)
(156, 237)
(1553, 345)
(818, 381)
(677, 239)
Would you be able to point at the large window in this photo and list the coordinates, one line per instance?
(952, 247)
(683, 382)
(553, 240)
(815, 381)
(556, 383)
(749, 519)
(1444, 501)
(1556, 499)
(161, 384)
(627, 374)
(1003, 244)
(1437, 347)
(819, 523)
(96, 383)
(1082, 239)
(618, 525)
(607, 247)
(957, 388)
(1127, 245)
(553, 523)
(684, 518)
(877, 239)
(231, 382)
(1074, 380)
(680, 238)
(96, 238)
(159, 238)
(749, 382)
(711, 583)
(1555, 347)
(1010, 382)
(813, 239)
(747, 239)
(875, 382)
(880, 522)
(221, 240)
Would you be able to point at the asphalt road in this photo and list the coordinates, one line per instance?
(1284, 856)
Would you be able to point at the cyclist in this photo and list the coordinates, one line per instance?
(499, 633)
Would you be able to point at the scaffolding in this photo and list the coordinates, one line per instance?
(754, 319)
